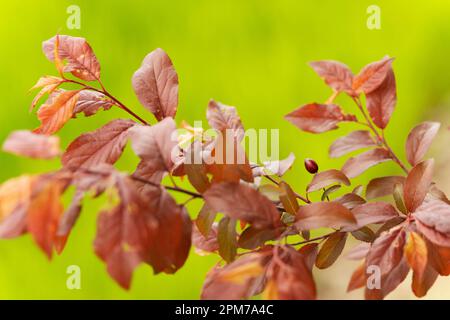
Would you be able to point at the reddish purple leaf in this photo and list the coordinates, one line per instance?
(357, 165)
(104, 145)
(374, 212)
(29, 144)
(354, 141)
(380, 187)
(419, 141)
(372, 76)
(89, 102)
(323, 214)
(326, 178)
(317, 118)
(242, 202)
(417, 184)
(433, 220)
(335, 74)
(222, 117)
(381, 101)
(156, 85)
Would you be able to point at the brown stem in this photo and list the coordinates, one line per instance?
(313, 239)
(380, 138)
(106, 93)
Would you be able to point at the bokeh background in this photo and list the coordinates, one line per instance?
(251, 54)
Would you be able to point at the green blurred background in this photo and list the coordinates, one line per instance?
(251, 54)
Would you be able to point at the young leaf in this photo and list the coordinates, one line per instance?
(326, 178)
(380, 187)
(276, 167)
(28, 144)
(323, 214)
(419, 141)
(417, 184)
(354, 141)
(81, 60)
(331, 250)
(433, 221)
(155, 84)
(381, 101)
(335, 74)
(56, 112)
(317, 118)
(357, 165)
(89, 102)
(48, 85)
(227, 238)
(104, 145)
(239, 201)
(371, 76)
(205, 220)
(222, 117)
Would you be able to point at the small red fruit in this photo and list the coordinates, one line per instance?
(311, 166)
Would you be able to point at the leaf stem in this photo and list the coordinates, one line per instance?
(381, 138)
(313, 239)
(106, 93)
(296, 194)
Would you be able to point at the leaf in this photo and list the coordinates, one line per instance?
(277, 167)
(229, 161)
(357, 165)
(90, 102)
(398, 198)
(335, 74)
(323, 214)
(155, 84)
(438, 194)
(293, 279)
(389, 281)
(288, 198)
(331, 250)
(358, 279)
(104, 145)
(417, 256)
(350, 200)
(204, 243)
(48, 85)
(28, 144)
(364, 234)
(149, 228)
(253, 238)
(387, 251)
(227, 238)
(15, 194)
(433, 221)
(205, 220)
(317, 118)
(381, 101)
(240, 279)
(439, 258)
(354, 141)
(56, 112)
(195, 168)
(239, 201)
(417, 184)
(329, 191)
(81, 60)
(43, 216)
(421, 285)
(222, 117)
(380, 187)
(326, 178)
(71, 215)
(374, 212)
(419, 141)
(156, 145)
(372, 76)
